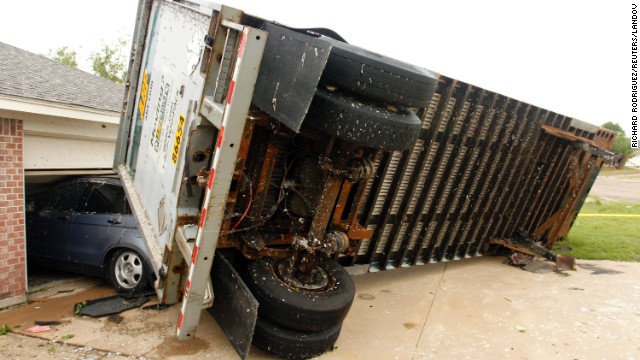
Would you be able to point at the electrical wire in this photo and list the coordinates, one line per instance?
(246, 211)
(281, 196)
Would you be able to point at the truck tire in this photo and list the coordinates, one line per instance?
(349, 119)
(297, 308)
(378, 77)
(292, 344)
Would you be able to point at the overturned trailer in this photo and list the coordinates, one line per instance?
(287, 154)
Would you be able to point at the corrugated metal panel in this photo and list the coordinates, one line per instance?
(482, 168)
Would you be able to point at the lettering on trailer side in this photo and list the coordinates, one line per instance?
(144, 92)
(178, 140)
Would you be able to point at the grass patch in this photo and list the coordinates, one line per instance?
(79, 307)
(596, 206)
(4, 329)
(605, 238)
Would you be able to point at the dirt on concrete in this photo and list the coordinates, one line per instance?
(475, 308)
(483, 309)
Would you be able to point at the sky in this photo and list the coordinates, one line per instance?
(571, 57)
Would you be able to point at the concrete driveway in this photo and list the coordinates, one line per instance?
(477, 309)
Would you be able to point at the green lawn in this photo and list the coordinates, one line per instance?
(605, 238)
(595, 206)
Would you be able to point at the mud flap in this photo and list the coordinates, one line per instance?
(234, 307)
(289, 74)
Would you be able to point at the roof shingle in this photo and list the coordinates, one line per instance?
(25, 74)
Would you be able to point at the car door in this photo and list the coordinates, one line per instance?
(99, 225)
(48, 228)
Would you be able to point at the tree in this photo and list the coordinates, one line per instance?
(64, 56)
(622, 145)
(110, 61)
(615, 127)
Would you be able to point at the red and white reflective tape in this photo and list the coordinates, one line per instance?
(212, 173)
(180, 320)
(194, 255)
(220, 135)
(186, 288)
(243, 41)
(204, 214)
(232, 87)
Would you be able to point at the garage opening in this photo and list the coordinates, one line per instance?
(49, 265)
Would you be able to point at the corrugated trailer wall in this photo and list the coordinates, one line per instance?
(482, 168)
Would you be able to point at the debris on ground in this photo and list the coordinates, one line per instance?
(563, 262)
(38, 328)
(45, 323)
(158, 307)
(525, 250)
(518, 258)
(115, 318)
(539, 266)
(109, 305)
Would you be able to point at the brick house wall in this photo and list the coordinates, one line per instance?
(12, 233)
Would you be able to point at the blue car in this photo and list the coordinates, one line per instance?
(86, 226)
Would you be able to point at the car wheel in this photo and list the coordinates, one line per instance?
(313, 306)
(127, 271)
(378, 77)
(349, 119)
(291, 344)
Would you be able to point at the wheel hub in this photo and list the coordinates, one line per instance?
(316, 279)
(128, 270)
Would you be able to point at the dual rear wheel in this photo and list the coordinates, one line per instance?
(296, 319)
(370, 99)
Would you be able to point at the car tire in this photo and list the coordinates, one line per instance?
(349, 119)
(128, 272)
(291, 344)
(378, 77)
(299, 308)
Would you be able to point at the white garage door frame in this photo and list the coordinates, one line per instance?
(63, 138)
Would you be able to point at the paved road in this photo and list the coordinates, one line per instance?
(619, 188)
